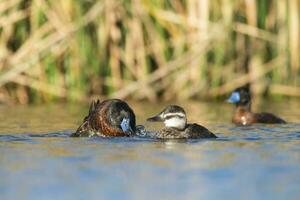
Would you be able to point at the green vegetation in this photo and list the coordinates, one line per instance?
(51, 50)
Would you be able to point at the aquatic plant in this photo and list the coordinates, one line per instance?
(72, 50)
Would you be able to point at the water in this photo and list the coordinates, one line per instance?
(39, 161)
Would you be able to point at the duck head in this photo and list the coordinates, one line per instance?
(240, 96)
(173, 116)
(121, 116)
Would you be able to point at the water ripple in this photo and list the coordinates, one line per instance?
(224, 133)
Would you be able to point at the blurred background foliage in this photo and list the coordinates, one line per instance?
(156, 50)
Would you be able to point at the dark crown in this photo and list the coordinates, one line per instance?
(173, 111)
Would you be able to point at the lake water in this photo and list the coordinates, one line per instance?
(38, 159)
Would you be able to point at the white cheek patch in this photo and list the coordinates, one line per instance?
(175, 122)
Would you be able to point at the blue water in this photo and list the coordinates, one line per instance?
(255, 162)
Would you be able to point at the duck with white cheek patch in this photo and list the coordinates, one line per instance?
(174, 118)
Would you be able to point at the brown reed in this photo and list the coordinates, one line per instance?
(155, 50)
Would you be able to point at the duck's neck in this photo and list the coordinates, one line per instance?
(243, 114)
(243, 108)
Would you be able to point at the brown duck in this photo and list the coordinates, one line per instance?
(243, 116)
(109, 118)
(174, 118)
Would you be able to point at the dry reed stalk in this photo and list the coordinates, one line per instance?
(255, 32)
(287, 90)
(294, 35)
(137, 44)
(200, 18)
(257, 87)
(246, 78)
(164, 71)
(251, 14)
(282, 46)
(8, 4)
(115, 34)
(40, 86)
(7, 19)
(53, 17)
(21, 95)
(12, 18)
(19, 66)
(227, 12)
(251, 17)
(156, 45)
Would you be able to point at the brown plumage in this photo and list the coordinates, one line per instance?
(105, 118)
(243, 115)
(175, 120)
(192, 131)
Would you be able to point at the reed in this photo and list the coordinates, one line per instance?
(156, 50)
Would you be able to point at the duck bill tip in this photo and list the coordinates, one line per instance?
(129, 133)
(155, 118)
(229, 101)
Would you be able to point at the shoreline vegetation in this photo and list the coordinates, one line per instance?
(154, 50)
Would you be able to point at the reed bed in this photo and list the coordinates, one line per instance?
(154, 50)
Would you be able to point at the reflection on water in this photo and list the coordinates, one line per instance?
(39, 161)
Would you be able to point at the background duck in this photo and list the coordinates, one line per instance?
(174, 118)
(109, 118)
(243, 116)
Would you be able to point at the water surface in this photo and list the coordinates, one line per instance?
(39, 161)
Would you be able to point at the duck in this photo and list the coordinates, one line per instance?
(109, 118)
(243, 115)
(176, 126)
